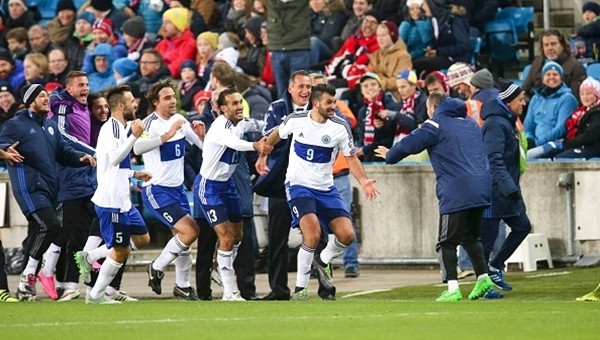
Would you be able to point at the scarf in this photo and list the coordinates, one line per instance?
(408, 108)
(186, 86)
(572, 122)
(373, 108)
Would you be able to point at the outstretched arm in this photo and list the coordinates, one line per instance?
(367, 184)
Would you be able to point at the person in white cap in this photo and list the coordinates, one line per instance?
(35, 180)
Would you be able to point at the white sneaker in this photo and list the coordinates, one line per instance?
(235, 296)
(122, 297)
(69, 294)
(103, 300)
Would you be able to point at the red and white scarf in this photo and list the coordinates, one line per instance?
(373, 108)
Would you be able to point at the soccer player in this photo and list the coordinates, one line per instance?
(163, 146)
(35, 180)
(119, 220)
(317, 136)
(215, 187)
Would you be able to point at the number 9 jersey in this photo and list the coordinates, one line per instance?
(314, 149)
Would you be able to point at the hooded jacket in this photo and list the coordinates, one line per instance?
(546, 115)
(35, 181)
(457, 153)
(573, 73)
(588, 133)
(176, 50)
(501, 138)
(99, 81)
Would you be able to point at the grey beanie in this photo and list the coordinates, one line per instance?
(482, 79)
(225, 41)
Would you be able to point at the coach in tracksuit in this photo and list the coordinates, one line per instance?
(35, 181)
(464, 185)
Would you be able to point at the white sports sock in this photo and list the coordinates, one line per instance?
(173, 248)
(92, 243)
(305, 257)
(31, 267)
(111, 291)
(334, 249)
(225, 265)
(132, 245)
(107, 273)
(70, 285)
(52, 255)
(183, 266)
(97, 254)
(482, 277)
(236, 249)
(452, 285)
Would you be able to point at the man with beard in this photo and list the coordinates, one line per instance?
(11, 71)
(69, 109)
(318, 136)
(119, 220)
(216, 189)
(163, 146)
(35, 181)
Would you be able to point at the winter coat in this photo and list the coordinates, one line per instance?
(16, 78)
(99, 81)
(177, 50)
(288, 24)
(329, 22)
(588, 133)
(546, 115)
(351, 60)
(259, 99)
(457, 153)
(417, 34)
(152, 18)
(58, 33)
(76, 49)
(387, 63)
(254, 62)
(501, 138)
(590, 33)
(454, 40)
(383, 136)
(35, 181)
(573, 73)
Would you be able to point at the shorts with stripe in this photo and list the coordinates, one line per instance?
(116, 227)
(326, 204)
(167, 204)
(219, 201)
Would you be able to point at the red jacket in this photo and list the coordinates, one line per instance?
(351, 60)
(176, 50)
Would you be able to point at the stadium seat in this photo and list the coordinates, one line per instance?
(534, 248)
(476, 48)
(522, 19)
(501, 42)
(593, 70)
(523, 74)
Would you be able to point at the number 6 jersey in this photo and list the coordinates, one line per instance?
(314, 148)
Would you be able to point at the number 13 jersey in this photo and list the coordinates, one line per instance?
(314, 148)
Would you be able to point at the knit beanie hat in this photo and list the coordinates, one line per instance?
(393, 28)
(591, 85)
(178, 16)
(87, 16)
(459, 73)
(373, 13)
(229, 55)
(134, 27)
(253, 25)
(30, 93)
(101, 5)
(65, 4)
(21, 3)
(225, 41)
(414, 2)
(6, 55)
(210, 37)
(188, 64)
(508, 90)
(592, 7)
(125, 67)
(202, 96)
(104, 25)
(482, 79)
(552, 65)
(409, 75)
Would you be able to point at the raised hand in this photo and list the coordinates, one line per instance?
(137, 128)
(175, 127)
(199, 129)
(381, 151)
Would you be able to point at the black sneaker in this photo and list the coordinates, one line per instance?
(351, 272)
(154, 279)
(187, 293)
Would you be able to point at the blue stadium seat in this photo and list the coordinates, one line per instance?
(523, 75)
(522, 18)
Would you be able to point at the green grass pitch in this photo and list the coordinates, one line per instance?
(541, 306)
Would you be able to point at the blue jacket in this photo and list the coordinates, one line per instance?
(501, 139)
(486, 94)
(35, 182)
(99, 81)
(546, 115)
(454, 40)
(271, 185)
(17, 77)
(417, 34)
(455, 146)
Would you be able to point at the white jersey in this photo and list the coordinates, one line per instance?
(165, 162)
(113, 179)
(222, 146)
(314, 148)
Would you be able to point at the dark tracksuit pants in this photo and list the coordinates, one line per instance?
(3, 279)
(460, 228)
(519, 225)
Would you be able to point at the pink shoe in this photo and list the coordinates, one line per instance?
(48, 285)
(96, 265)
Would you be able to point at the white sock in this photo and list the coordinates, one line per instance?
(493, 269)
(107, 273)
(52, 255)
(111, 291)
(71, 285)
(92, 243)
(31, 267)
(173, 248)
(305, 257)
(97, 254)
(236, 249)
(183, 266)
(132, 245)
(482, 277)
(225, 263)
(334, 248)
(452, 285)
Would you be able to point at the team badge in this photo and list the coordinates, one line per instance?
(326, 139)
(51, 130)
